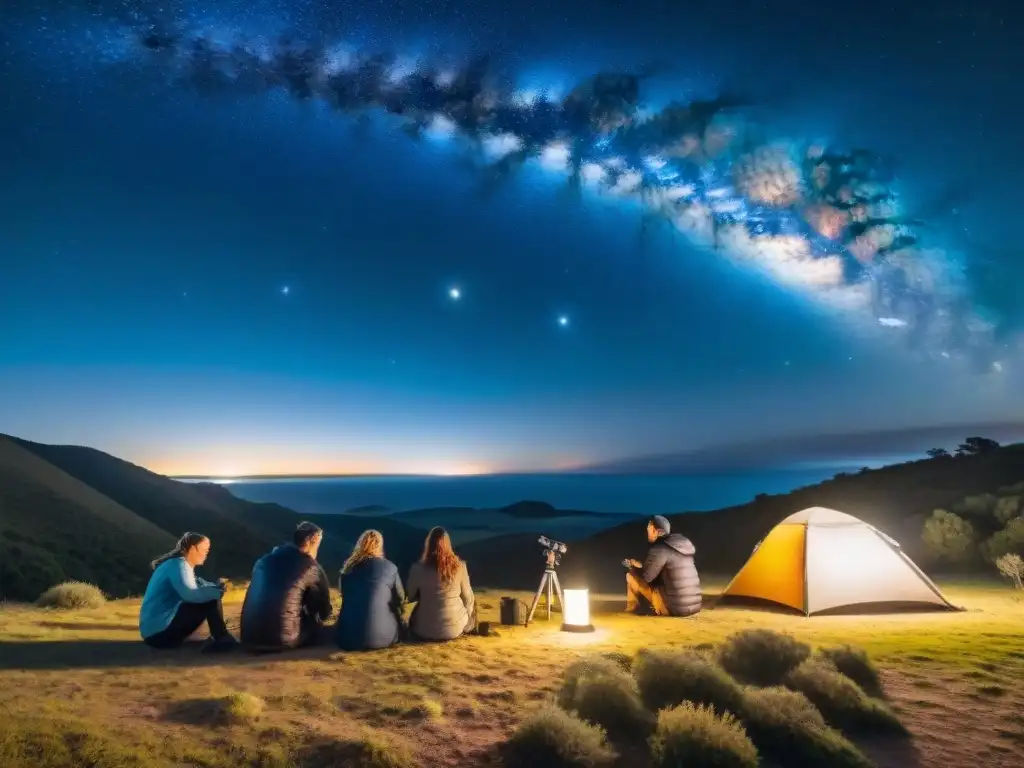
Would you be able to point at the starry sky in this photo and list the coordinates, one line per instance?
(227, 285)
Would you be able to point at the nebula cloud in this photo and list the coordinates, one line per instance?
(821, 221)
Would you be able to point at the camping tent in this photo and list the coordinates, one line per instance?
(822, 560)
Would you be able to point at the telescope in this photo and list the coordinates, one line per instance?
(553, 551)
(552, 546)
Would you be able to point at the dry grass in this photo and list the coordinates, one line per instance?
(79, 688)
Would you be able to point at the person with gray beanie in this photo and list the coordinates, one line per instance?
(666, 583)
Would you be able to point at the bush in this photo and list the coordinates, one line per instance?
(72, 596)
(367, 752)
(948, 538)
(613, 704)
(843, 704)
(599, 691)
(622, 660)
(694, 735)
(669, 678)
(1009, 541)
(761, 656)
(1007, 508)
(786, 727)
(588, 667)
(241, 708)
(855, 664)
(1012, 567)
(556, 739)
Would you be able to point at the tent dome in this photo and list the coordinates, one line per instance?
(820, 559)
(822, 516)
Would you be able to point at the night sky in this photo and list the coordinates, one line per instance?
(223, 284)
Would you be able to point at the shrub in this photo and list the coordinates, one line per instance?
(948, 537)
(556, 739)
(613, 704)
(240, 708)
(786, 727)
(588, 667)
(72, 596)
(1012, 567)
(855, 664)
(1007, 508)
(622, 660)
(669, 678)
(367, 752)
(761, 656)
(695, 735)
(843, 704)
(1009, 541)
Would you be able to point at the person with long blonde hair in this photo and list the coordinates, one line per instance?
(439, 585)
(372, 597)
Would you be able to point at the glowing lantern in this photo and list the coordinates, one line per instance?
(576, 611)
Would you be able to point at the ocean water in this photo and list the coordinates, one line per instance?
(608, 494)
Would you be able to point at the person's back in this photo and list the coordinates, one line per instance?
(371, 602)
(288, 597)
(443, 610)
(678, 578)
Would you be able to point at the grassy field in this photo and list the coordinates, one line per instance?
(80, 689)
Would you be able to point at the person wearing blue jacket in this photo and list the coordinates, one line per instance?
(177, 602)
(372, 598)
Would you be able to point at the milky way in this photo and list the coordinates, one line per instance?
(824, 222)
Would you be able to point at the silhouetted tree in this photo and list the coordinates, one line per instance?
(1007, 508)
(938, 453)
(1012, 567)
(1009, 541)
(948, 538)
(976, 446)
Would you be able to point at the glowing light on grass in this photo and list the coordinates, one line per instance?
(576, 611)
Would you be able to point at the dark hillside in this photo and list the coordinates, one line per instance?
(55, 528)
(896, 499)
(241, 531)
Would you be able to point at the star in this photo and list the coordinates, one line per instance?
(563, 321)
(285, 290)
(455, 294)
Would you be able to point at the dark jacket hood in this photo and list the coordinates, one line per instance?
(680, 544)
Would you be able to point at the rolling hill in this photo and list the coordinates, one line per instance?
(68, 512)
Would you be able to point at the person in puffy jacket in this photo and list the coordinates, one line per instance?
(439, 585)
(289, 597)
(372, 598)
(667, 582)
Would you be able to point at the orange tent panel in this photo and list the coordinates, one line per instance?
(776, 570)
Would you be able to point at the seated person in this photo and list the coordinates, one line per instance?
(439, 585)
(289, 596)
(177, 602)
(372, 598)
(667, 581)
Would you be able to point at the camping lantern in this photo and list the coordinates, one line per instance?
(576, 611)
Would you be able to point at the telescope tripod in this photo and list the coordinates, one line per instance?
(549, 584)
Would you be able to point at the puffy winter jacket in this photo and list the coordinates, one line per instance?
(670, 566)
(288, 589)
(442, 611)
(372, 599)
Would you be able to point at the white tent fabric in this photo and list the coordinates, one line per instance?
(852, 563)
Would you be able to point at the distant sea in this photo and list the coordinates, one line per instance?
(609, 494)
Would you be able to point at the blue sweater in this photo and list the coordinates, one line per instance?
(173, 582)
